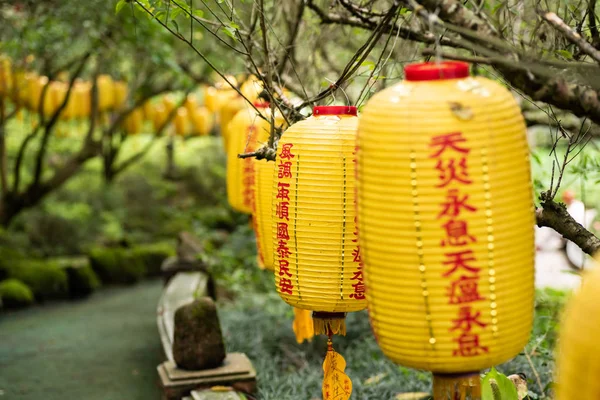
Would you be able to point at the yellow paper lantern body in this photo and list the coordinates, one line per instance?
(159, 116)
(82, 99)
(262, 212)
(6, 76)
(232, 105)
(120, 93)
(106, 92)
(134, 121)
(248, 132)
(181, 121)
(315, 249)
(578, 365)
(446, 221)
(202, 119)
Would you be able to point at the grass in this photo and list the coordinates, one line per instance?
(259, 324)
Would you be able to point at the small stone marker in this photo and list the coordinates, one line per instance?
(198, 341)
(181, 290)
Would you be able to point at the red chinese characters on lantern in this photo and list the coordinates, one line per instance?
(451, 152)
(357, 278)
(282, 217)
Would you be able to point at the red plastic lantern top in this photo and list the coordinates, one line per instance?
(432, 71)
(334, 110)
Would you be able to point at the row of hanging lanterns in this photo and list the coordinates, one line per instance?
(26, 89)
(444, 258)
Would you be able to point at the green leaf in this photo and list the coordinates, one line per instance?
(198, 13)
(507, 388)
(174, 23)
(229, 31)
(565, 53)
(368, 64)
(120, 4)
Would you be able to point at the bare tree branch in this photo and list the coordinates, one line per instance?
(555, 216)
(570, 34)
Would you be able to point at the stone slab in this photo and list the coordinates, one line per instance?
(234, 364)
(178, 389)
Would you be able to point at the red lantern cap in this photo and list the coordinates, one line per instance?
(261, 104)
(432, 71)
(335, 110)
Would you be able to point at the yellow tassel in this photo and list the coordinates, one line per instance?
(336, 384)
(303, 325)
(329, 323)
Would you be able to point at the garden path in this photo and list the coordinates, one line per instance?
(105, 347)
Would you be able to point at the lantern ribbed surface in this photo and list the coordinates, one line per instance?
(248, 131)
(262, 212)
(578, 353)
(446, 222)
(315, 249)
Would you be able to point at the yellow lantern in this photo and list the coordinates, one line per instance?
(251, 88)
(148, 110)
(107, 93)
(210, 98)
(159, 116)
(315, 244)
(202, 119)
(314, 213)
(248, 132)
(134, 121)
(191, 103)
(233, 105)
(169, 103)
(448, 250)
(6, 76)
(181, 121)
(34, 85)
(82, 98)
(262, 212)
(578, 362)
(262, 219)
(120, 93)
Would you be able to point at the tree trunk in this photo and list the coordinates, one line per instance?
(170, 171)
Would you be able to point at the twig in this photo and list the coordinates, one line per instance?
(557, 23)
(535, 373)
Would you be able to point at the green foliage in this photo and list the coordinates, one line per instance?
(82, 278)
(45, 278)
(117, 265)
(496, 386)
(15, 294)
(153, 255)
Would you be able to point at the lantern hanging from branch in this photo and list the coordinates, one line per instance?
(315, 249)
(578, 352)
(202, 120)
(181, 121)
(106, 92)
(446, 221)
(262, 219)
(248, 131)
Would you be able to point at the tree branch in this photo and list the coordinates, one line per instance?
(555, 216)
(557, 23)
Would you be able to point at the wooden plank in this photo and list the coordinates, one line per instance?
(181, 290)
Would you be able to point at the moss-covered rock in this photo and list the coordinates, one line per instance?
(117, 265)
(81, 277)
(15, 294)
(153, 255)
(45, 278)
